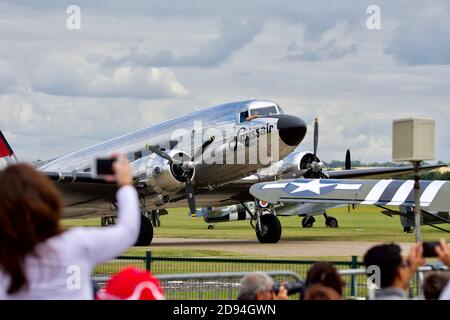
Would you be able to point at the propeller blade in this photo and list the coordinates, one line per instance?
(163, 154)
(190, 197)
(316, 135)
(348, 160)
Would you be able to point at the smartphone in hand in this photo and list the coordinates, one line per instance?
(429, 248)
(103, 167)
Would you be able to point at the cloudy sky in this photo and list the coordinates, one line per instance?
(136, 63)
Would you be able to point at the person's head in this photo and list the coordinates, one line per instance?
(321, 292)
(434, 283)
(394, 271)
(325, 273)
(256, 286)
(132, 284)
(30, 209)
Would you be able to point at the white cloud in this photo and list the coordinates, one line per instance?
(7, 78)
(54, 100)
(73, 76)
(333, 44)
(422, 38)
(232, 36)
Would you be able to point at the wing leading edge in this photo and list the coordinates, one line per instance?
(378, 173)
(434, 195)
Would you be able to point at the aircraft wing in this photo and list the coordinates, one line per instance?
(80, 188)
(434, 195)
(379, 173)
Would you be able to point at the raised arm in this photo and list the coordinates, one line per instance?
(102, 244)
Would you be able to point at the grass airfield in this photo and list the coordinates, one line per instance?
(362, 224)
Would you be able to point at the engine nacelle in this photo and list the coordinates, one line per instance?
(297, 161)
(162, 176)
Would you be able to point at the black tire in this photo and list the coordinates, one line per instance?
(308, 222)
(271, 229)
(332, 222)
(145, 233)
(211, 227)
(408, 229)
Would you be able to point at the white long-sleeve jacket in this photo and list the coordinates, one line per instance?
(66, 261)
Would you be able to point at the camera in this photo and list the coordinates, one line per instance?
(291, 287)
(103, 167)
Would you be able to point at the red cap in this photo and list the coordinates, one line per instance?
(132, 284)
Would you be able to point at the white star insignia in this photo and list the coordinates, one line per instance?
(313, 186)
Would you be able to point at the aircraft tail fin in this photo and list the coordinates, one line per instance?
(7, 155)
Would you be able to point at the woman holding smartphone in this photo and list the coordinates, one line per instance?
(39, 260)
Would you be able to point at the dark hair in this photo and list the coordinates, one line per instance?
(30, 209)
(321, 292)
(325, 273)
(434, 283)
(388, 258)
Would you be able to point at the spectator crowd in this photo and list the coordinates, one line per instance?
(40, 260)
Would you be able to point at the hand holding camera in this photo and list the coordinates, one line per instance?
(443, 252)
(116, 168)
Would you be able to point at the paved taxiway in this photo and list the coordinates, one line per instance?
(284, 248)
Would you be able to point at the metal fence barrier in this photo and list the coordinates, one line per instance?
(193, 278)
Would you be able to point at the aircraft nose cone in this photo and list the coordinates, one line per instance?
(291, 129)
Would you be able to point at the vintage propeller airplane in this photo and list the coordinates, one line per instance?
(210, 157)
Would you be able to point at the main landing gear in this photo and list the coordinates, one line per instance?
(146, 230)
(268, 229)
(268, 226)
(330, 221)
(107, 221)
(145, 233)
(308, 221)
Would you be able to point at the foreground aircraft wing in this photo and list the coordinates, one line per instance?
(379, 173)
(434, 195)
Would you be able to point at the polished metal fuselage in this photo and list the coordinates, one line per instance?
(220, 118)
(212, 121)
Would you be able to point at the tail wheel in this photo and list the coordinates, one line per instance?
(145, 233)
(331, 222)
(270, 229)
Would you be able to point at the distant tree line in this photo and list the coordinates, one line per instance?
(434, 175)
(335, 164)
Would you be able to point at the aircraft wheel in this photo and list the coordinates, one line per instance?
(271, 229)
(211, 227)
(308, 221)
(408, 229)
(331, 222)
(145, 233)
(107, 221)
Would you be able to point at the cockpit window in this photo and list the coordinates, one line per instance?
(243, 116)
(280, 110)
(263, 111)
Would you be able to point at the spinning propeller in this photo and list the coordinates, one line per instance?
(315, 168)
(186, 168)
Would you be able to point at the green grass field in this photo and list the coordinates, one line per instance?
(362, 224)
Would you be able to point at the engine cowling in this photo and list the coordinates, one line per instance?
(159, 174)
(297, 162)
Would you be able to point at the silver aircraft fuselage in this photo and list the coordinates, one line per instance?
(231, 127)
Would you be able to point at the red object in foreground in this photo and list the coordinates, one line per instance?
(132, 284)
(5, 149)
